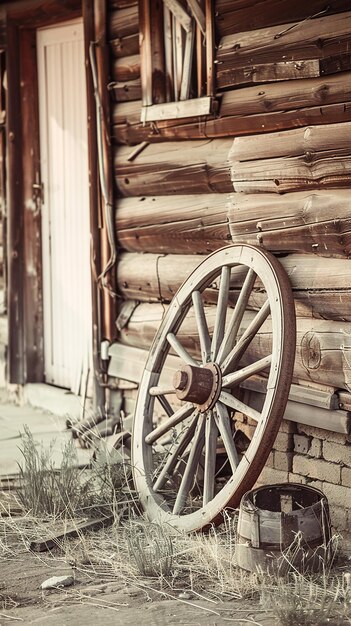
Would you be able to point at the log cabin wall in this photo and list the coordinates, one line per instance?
(271, 167)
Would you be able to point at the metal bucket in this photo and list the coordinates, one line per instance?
(283, 527)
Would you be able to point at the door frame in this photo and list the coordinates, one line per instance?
(25, 297)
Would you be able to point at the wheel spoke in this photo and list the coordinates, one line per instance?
(236, 353)
(211, 434)
(182, 352)
(234, 403)
(173, 459)
(223, 424)
(165, 405)
(237, 315)
(204, 336)
(192, 463)
(173, 420)
(237, 377)
(221, 312)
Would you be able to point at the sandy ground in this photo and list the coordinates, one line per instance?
(95, 602)
(91, 599)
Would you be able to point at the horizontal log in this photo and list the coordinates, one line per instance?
(249, 110)
(332, 138)
(124, 22)
(310, 158)
(229, 76)
(126, 68)
(235, 16)
(124, 46)
(174, 168)
(312, 39)
(318, 223)
(319, 285)
(192, 223)
(322, 352)
(121, 4)
(126, 91)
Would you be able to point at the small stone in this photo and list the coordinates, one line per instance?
(57, 581)
(184, 595)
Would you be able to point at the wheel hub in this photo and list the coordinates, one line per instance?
(201, 385)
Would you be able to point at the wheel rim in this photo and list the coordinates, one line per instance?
(201, 403)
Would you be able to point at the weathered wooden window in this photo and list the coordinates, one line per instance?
(177, 52)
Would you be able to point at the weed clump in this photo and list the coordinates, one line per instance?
(66, 491)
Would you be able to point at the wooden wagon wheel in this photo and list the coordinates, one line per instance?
(188, 465)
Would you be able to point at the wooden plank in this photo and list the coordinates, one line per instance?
(126, 68)
(165, 169)
(335, 420)
(177, 110)
(55, 538)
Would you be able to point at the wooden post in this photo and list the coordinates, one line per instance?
(32, 201)
(102, 59)
(16, 369)
(89, 35)
(210, 49)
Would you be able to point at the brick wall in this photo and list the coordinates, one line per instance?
(317, 457)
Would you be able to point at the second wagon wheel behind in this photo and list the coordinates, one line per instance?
(190, 457)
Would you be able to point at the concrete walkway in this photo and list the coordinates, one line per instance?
(46, 429)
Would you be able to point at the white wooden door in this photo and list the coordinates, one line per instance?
(65, 210)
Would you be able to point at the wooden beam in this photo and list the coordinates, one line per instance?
(145, 51)
(179, 13)
(177, 110)
(210, 48)
(198, 13)
(187, 70)
(167, 30)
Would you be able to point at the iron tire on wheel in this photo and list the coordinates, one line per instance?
(208, 408)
